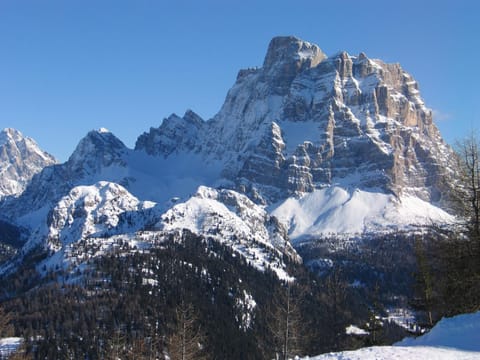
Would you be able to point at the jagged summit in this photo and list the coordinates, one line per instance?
(20, 159)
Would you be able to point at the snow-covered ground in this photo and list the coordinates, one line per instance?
(400, 353)
(9, 345)
(452, 338)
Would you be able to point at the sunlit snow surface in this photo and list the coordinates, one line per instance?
(8, 346)
(337, 210)
(452, 338)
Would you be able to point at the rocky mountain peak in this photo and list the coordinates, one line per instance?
(20, 159)
(291, 51)
(287, 56)
(347, 119)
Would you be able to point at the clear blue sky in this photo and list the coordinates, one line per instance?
(69, 66)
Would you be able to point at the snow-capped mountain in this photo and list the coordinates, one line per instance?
(326, 145)
(20, 159)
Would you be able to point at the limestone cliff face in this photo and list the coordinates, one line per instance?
(303, 121)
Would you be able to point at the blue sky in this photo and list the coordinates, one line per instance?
(69, 66)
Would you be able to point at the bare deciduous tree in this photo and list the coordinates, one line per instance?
(286, 323)
(468, 151)
(187, 340)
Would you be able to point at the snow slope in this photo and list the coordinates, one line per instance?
(452, 338)
(338, 210)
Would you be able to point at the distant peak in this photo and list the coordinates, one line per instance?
(103, 130)
(97, 140)
(290, 49)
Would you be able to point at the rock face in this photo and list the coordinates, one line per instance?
(304, 121)
(20, 160)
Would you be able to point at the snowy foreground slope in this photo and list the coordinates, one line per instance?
(453, 338)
